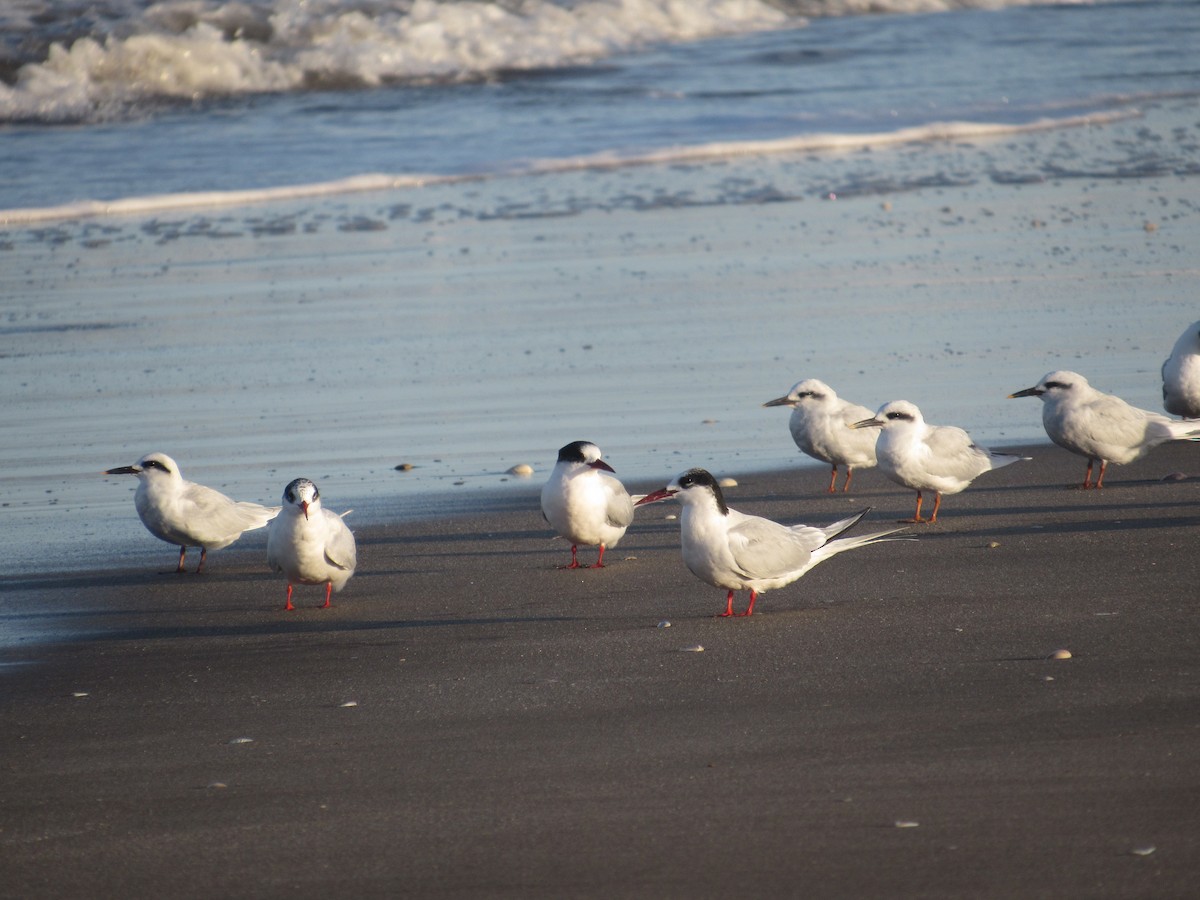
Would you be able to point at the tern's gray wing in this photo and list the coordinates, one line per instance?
(274, 546)
(340, 548)
(850, 413)
(1110, 420)
(619, 509)
(765, 549)
(211, 516)
(954, 455)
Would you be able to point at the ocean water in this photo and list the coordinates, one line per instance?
(277, 237)
(113, 99)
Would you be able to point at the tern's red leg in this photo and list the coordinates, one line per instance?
(182, 553)
(750, 609)
(849, 475)
(833, 478)
(574, 559)
(937, 504)
(1100, 480)
(1087, 479)
(203, 556)
(600, 562)
(289, 599)
(328, 591)
(728, 606)
(917, 517)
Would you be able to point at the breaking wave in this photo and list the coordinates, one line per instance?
(116, 59)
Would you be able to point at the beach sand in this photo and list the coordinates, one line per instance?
(468, 720)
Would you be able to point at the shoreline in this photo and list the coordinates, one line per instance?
(465, 331)
(890, 724)
(450, 511)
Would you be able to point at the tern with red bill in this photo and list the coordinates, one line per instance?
(1101, 426)
(187, 514)
(732, 550)
(924, 457)
(821, 425)
(584, 501)
(308, 544)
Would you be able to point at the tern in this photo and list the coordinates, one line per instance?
(821, 426)
(1181, 375)
(1101, 426)
(308, 544)
(584, 502)
(924, 457)
(735, 551)
(187, 514)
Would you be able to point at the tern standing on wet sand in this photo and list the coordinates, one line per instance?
(310, 545)
(924, 457)
(822, 427)
(730, 549)
(584, 502)
(187, 514)
(1101, 426)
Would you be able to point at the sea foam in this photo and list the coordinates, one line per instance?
(188, 51)
(797, 144)
(191, 50)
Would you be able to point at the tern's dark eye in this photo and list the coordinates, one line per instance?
(899, 415)
(1051, 385)
(155, 464)
(291, 497)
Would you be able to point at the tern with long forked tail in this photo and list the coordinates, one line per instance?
(733, 550)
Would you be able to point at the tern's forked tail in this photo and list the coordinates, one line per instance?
(832, 548)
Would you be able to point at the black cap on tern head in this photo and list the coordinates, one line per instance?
(585, 453)
(577, 451)
(702, 478)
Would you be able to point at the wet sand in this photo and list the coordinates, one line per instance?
(891, 725)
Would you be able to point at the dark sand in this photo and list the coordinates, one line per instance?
(891, 725)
